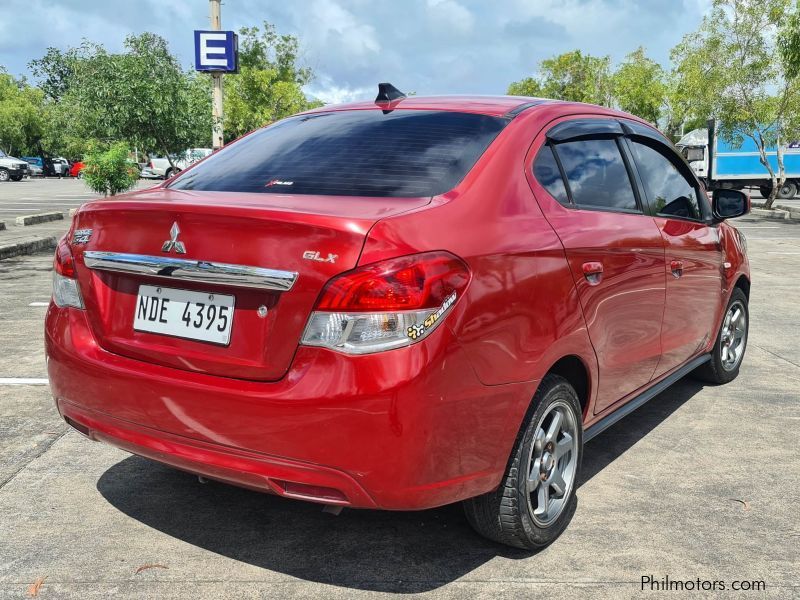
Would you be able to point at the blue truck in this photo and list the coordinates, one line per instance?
(721, 164)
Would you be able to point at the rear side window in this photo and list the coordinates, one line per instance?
(596, 174)
(547, 173)
(404, 153)
(669, 191)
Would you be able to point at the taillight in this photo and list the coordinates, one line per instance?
(388, 304)
(65, 284)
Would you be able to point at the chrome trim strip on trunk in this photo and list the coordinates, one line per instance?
(191, 270)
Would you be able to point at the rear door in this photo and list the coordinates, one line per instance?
(694, 257)
(615, 250)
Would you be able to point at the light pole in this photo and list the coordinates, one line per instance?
(216, 79)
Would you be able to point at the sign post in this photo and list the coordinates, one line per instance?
(215, 52)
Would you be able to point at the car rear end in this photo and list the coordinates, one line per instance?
(224, 324)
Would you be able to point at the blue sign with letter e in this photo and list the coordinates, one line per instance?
(215, 51)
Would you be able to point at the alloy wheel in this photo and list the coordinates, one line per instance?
(552, 464)
(733, 338)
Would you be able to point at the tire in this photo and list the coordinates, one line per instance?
(507, 514)
(4, 175)
(788, 190)
(732, 333)
(16, 177)
(168, 174)
(765, 191)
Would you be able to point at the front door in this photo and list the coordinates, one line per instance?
(693, 253)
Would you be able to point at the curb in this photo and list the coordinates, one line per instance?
(40, 218)
(30, 246)
(774, 214)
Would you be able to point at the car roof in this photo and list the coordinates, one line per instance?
(496, 106)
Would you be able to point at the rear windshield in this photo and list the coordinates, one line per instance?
(403, 153)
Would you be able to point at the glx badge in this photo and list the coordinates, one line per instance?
(312, 255)
(173, 242)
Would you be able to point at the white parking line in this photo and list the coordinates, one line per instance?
(4, 209)
(22, 381)
(39, 304)
(757, 227)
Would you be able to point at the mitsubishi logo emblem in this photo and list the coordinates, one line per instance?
(173, 242)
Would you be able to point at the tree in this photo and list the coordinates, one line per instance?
(54, 71)
(110, 172)
(20, 115)
(269, 85)
(570, 76)
(141, 96)
(742, 69)
(638, 86)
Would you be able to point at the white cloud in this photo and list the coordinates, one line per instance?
(451, 15)
(428, 46)
(329, 93)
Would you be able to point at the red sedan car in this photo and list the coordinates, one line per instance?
(401, 304)
(76, 169)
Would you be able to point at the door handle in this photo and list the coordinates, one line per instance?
(677, 268)
(593, 272)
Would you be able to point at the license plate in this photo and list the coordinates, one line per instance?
(181, 313)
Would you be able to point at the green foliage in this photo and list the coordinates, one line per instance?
(55, 71)
(110, 172)
(526, 87)
(638, 86)
(269, 84)
(570, 76)
(730, 73)
(21, 119)
(789, 43)
(141, 96)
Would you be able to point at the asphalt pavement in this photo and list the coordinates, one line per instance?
(30, 196)
(700, 483)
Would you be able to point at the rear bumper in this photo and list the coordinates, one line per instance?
(408, 429)
(239, 467)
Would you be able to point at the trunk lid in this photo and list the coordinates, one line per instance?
(291, 233)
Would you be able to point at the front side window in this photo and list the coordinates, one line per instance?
(404, 153)
(669, 191)
(596, 174)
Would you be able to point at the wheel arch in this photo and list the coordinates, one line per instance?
(574, 370)
(743, 283)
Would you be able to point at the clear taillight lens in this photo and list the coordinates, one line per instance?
(66, 292)
(388, 304)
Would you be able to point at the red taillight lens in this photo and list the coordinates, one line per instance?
(419, 281)
(63, 263)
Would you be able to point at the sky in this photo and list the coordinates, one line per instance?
(424, 46)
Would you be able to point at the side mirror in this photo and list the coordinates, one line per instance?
(729, 204)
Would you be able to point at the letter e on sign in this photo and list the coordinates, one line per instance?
(215, 51)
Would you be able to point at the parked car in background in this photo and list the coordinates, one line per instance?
(160, 167)
(60, 167)
(11, 168)
(402, 304)
(76, 169)
(34, 166)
